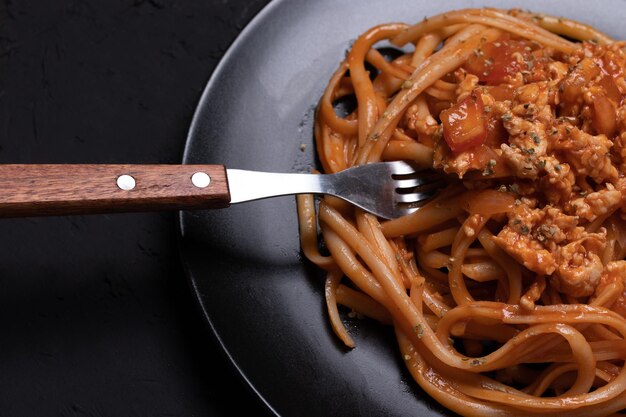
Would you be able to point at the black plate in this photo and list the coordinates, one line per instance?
(261, 299)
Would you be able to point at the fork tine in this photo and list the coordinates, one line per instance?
(417, 182)
(401, 168)
(413, 197)
(431, 186)
(411, 182)
(403, 211)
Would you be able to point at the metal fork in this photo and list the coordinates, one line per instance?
(387, 189)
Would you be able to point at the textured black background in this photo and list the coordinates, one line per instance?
(96, 318)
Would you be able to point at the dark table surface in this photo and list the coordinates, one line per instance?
(96, 315)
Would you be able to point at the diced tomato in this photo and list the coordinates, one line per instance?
(496, 133)
(496, 60)
(501, 92)
(604, 116)
(465, 124)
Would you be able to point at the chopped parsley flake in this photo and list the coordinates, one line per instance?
(535, 137)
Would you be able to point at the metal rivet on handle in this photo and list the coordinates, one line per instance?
(126, 182)
(201, 179)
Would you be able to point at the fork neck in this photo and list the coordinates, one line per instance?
(253, 185)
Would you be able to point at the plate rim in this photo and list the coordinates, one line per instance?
(218, 70)
(193, 126)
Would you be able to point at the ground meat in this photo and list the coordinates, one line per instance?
(526, 250)
(619, 144)
(529, 137)
(619, 150)
(557, 130)
(523, 164)
(558, 182)
(473, 224)
(423, 126)
(527, 235)
(557, 70)
(579, 266)
(615, 273)
(589, 155)
(549, 242)
(557, 227)
(466, 85)
(596, 204)
(536, 99)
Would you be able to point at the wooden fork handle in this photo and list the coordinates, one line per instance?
(48, 190)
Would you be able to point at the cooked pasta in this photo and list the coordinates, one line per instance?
(506, 290)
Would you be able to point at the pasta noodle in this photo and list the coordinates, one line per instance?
(507, 290)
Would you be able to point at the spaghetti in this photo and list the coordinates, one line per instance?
(506, 291)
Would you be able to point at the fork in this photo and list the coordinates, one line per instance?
(386, 189)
